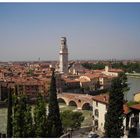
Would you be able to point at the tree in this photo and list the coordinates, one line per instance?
(9, 115)
(71, 120)
(22, 120)
(28, 125)
(19, 117)
(40, 117)
(53, 121)
(124, 83)
(114, 116)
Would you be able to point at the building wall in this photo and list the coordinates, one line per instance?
(101, 118)
(102, 110)
(137, 97)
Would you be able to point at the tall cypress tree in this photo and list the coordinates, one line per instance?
(18, 119)
(21, 122)
(54, 124)
(9, 115)
(28, 125)
(114, 116)
(40, 117)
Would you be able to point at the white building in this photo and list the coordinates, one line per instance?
(111, 72)
(63, 64)
(100, 106)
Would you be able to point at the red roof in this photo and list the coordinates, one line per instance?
(137, 107)
(104, 98)
(115, 70)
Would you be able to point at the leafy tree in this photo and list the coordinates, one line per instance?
(94, 66)
(71, 120)
(9, 115)
(40, 117)
(53, 121)
(114, 116)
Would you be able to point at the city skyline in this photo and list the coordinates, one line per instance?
(93, 30)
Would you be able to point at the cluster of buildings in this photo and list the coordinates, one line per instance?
(33, 78)
(131, 117)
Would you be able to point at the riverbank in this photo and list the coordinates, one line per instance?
(133, 75)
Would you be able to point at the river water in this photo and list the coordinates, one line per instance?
(134, 84)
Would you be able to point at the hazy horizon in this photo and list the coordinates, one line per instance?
(94, 31)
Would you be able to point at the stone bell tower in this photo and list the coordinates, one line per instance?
(63, 54)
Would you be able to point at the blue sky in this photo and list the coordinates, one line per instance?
(93, 30)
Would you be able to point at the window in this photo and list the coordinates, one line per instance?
(96, 103)
(96, 113)
(106, 107)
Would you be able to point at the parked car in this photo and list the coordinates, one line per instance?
(92, 135)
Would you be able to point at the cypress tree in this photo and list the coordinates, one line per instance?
(40, 117)
(53, 121)
(114, 116)
(18, 120)
(22, 120)
(9, 115)
(28, 125)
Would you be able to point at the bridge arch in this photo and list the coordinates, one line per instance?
(61, 100)
(72, 103)
(86, 106)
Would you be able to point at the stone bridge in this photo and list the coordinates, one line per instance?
(81, 101)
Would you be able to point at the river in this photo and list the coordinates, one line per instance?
(134, 85)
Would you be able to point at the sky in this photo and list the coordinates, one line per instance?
(93, 30)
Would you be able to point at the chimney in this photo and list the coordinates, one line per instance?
(105, 99)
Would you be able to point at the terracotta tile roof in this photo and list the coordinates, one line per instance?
(115, 70)
(104, 98)
(137, 107)
(97, 75)
(92, 75)
(71, 81)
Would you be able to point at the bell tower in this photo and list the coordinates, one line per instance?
(63, 54)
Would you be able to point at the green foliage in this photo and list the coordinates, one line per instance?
(9, 115)
(132, 103)
(98, 66)
(124, 83)
(19, 117)
(28, 125)
(129, 67)
(114, 116)
(53, 121)
(22, 124)
(71, 119)
(40, 117)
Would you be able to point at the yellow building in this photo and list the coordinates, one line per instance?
(137, 97)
